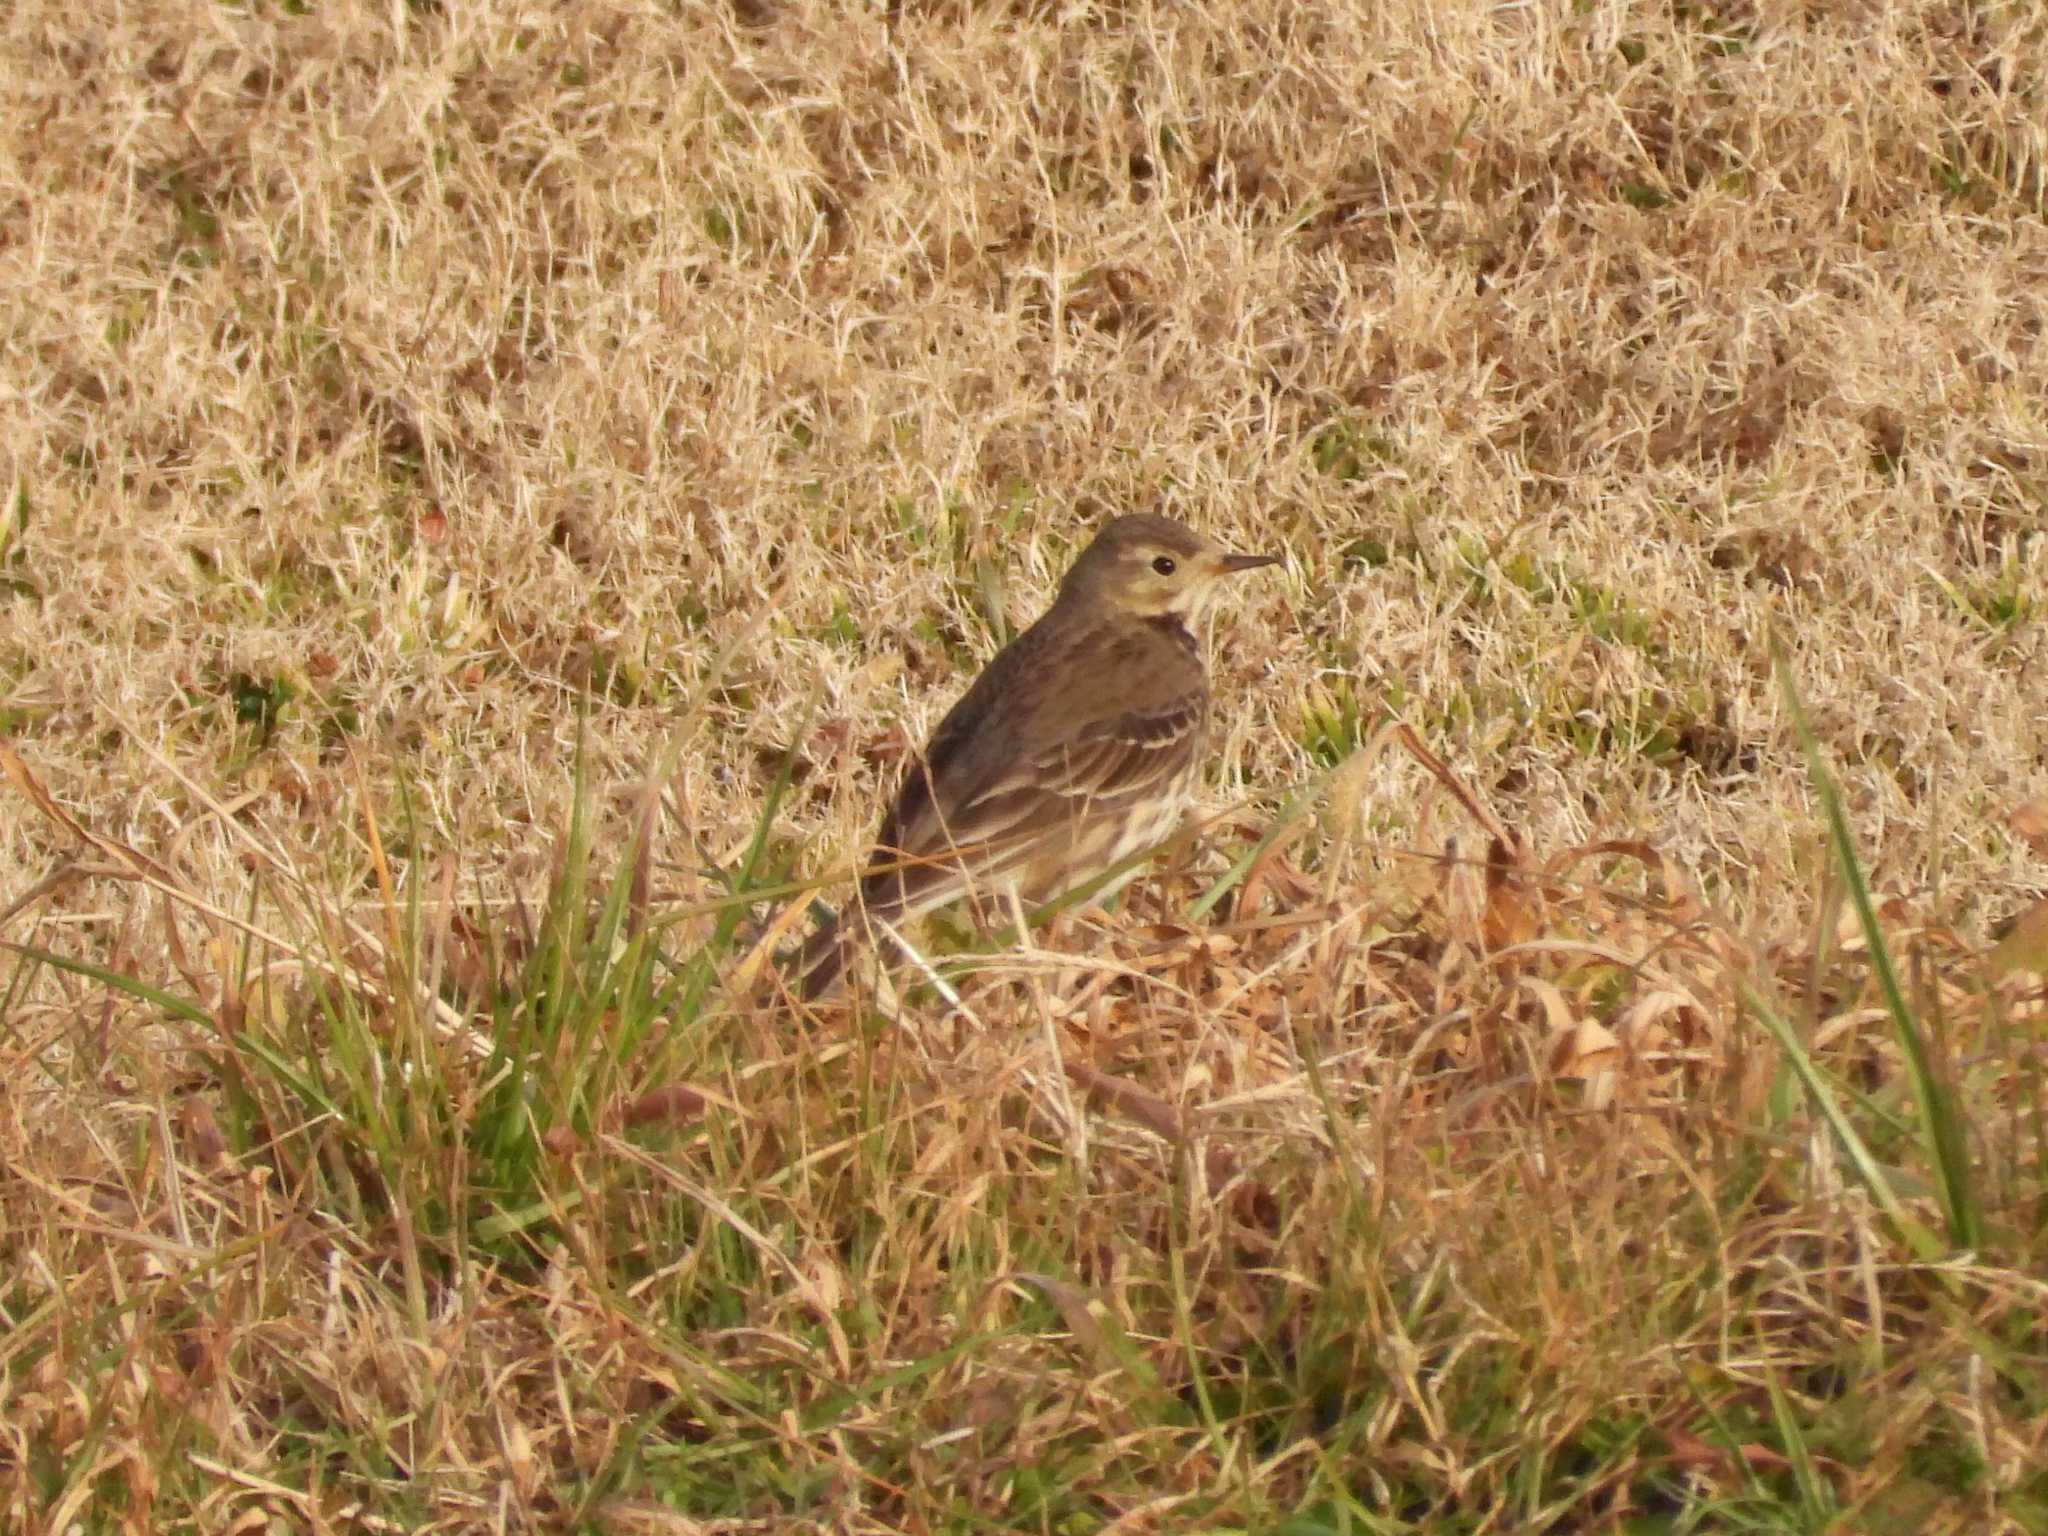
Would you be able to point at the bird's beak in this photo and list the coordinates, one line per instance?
(1230, 565)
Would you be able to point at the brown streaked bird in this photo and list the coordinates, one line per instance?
(1077, 747)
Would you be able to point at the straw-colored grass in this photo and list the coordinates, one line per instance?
(490, 491)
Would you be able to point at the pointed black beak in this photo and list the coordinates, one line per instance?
(1232, 564)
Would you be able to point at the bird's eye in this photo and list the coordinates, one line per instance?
(1164, 565)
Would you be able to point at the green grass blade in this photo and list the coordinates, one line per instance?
(1941, 1120)
(1923, 1242)
(177, 1007)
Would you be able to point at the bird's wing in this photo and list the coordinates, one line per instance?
(1012, 763)
(1105, 764)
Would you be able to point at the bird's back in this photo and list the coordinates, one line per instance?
(1130, 692)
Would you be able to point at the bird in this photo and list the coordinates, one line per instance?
(1077, 747)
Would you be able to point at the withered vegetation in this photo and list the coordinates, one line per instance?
(492, 496)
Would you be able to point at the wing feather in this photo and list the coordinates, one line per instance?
(1016, 766)
(1012, 765)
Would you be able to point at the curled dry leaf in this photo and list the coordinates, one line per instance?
(1689, 1450)
(675, 1104)
(2029, 823)
(519, 1457)
(1513, 912)
(1195, 946)
(204, 1143)
(1081, 1312)
(1148, 1109)
(1586, 1050)
(2025, 945)
(1658, 1016)
(1255, 1206)
(1848, 931)
(1270, 872)
(1558, 1013)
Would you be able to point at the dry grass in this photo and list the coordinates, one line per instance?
(385, 382)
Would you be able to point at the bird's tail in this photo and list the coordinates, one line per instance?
(822, 960)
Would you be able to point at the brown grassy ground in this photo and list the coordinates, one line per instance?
(385, 381)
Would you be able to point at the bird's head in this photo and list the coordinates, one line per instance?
(1153, 567)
